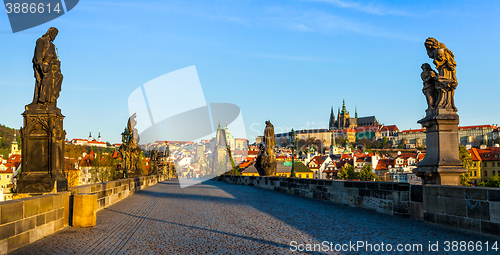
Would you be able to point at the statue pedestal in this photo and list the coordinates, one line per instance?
(43, 141)
(441, 164)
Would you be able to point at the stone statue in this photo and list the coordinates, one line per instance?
(266, 159)
(445, 82)
(43, 136)
(428, 75)
(134, 134)
(441, 164)
(47, 70)
(130, 150)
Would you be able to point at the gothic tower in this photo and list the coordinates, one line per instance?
(331, 123)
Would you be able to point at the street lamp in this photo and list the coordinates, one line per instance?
(125, 140)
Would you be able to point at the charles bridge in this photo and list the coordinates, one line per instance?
(243, 214)
(262, 215)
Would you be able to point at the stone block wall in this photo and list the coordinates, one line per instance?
(111, 192)
(384, 197)
(474, 209)
(25, 220)
(471, 209)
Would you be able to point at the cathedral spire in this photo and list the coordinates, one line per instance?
(343, 106)
(356, 112)
(332, 120)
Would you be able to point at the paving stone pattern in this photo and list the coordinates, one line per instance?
(221, 218)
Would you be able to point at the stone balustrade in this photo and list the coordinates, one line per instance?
(25, 220)
(471, 209)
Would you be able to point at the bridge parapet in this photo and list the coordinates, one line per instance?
(471, 209)
(25, 220)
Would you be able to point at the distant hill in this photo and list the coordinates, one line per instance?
(6, 137)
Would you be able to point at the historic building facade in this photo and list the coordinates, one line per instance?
(344, 121)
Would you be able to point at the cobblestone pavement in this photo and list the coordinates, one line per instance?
(220, 218)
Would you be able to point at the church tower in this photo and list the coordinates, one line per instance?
(219, 160)
(14, 148)
(331, 123)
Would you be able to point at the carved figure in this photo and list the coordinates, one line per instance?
(47, 69)
(428, 75)
(134, 133)
(129, 150)
(446, 81)
(266, 159)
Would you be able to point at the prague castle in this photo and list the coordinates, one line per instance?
(344, 121)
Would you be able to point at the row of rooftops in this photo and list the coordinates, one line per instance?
(488, 154)
(8, 166)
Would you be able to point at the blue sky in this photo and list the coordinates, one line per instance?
(286, 61)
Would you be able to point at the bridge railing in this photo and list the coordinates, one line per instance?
(474, 209)
(25, 220)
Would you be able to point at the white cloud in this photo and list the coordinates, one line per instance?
(367, 8)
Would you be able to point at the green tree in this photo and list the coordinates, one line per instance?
(347, 172)
(465, 157)
(103, 168)
(343, 174)
(493, 181)
(367, 174)
(385, 140)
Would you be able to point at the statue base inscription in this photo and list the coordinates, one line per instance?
(43, 141)
(441, 164)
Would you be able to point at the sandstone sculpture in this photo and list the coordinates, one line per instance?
(266, 159)
(42, 134)
(445, 81)
(441, 164)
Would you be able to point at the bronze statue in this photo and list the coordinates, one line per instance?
(266, 159)
(47, 70)
(445, 82)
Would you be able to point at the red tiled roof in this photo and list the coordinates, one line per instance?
(390, 128)
(384, 164)
(489, 154)
(478, 126)
(474, 154)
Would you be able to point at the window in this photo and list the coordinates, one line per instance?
(493, 172)
(300, 175)
(498, 164)
(8, 176)
(475, 173)
(485, 173)
(475, 164)
(485, 164)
